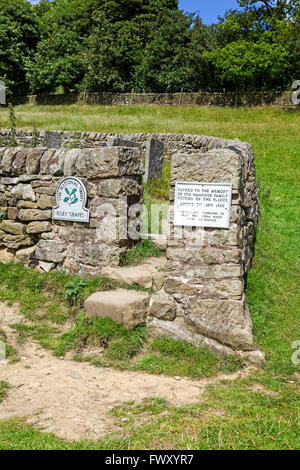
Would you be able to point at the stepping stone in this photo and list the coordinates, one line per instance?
(145, 275)
(129, 308)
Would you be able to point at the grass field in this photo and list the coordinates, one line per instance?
(253, 419)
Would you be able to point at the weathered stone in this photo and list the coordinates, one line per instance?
(46, 160)
(175, 285)
(153, 159)
(6, 256)
(126, 307)
(163, 306)
(16, 228)
(227, 321)
(24, 255)
(23, 191)
(50, 250)
(46, 267)
(16, 241)
(38, 227)
(8, 181)
(97, 255)
(56, 164)
(3, 200)
(34, 214)
(221, 237)
(220, 289)
(108, 162)
(158, 280)
(33, 160)
(256, 357)
(115, 141)
(26, 205)
(45, 201)
(215, 166)
(53, 139)
(177, 329)
(141, 275)
(216, 271)
(7, 159)
(190, 254)
(12, 213)
(119, 187)
(18, 165)
(48, 189)
(70, 162)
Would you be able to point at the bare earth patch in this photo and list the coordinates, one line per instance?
(73, 399)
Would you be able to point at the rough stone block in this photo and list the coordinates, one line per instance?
(34, 214)
(108, 162)
(163, 306)
(33, 160)
(45, 201)
(53, 140)
(12, 213)
(126, 307)
(113, 188)
(24, 255)
(115, 141)
(50, 250)
(215, 166)
(227, 321)
(153, 159)
(16, 241)
(141, 275)
(16, 228)
(38, 227)
(6, 256)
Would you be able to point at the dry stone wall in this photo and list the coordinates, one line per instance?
(258, 98)
(28, 182)
(203, 298)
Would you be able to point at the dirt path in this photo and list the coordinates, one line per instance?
(72, 399)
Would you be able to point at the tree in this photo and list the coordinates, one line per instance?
(246, 65)
(18, 40)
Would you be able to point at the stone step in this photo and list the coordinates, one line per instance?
(130, 308)
(148, 275)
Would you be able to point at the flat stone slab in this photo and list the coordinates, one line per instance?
(146, 275)
(129, 308)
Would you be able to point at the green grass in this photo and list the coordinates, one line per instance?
(174, 357)
(3, 389)
(253, 419)
(141, 252)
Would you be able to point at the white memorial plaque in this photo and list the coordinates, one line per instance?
(71, 200)
(202, 204)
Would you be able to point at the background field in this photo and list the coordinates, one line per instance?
(273, 292)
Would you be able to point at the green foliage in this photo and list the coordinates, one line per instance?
(12, 131)
(140, 252)
(74, 290)
(18, 39)
(35, 136)
(145, 46)
(248, 65)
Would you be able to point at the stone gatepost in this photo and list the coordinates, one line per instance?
(154, 158)
(203, 298)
